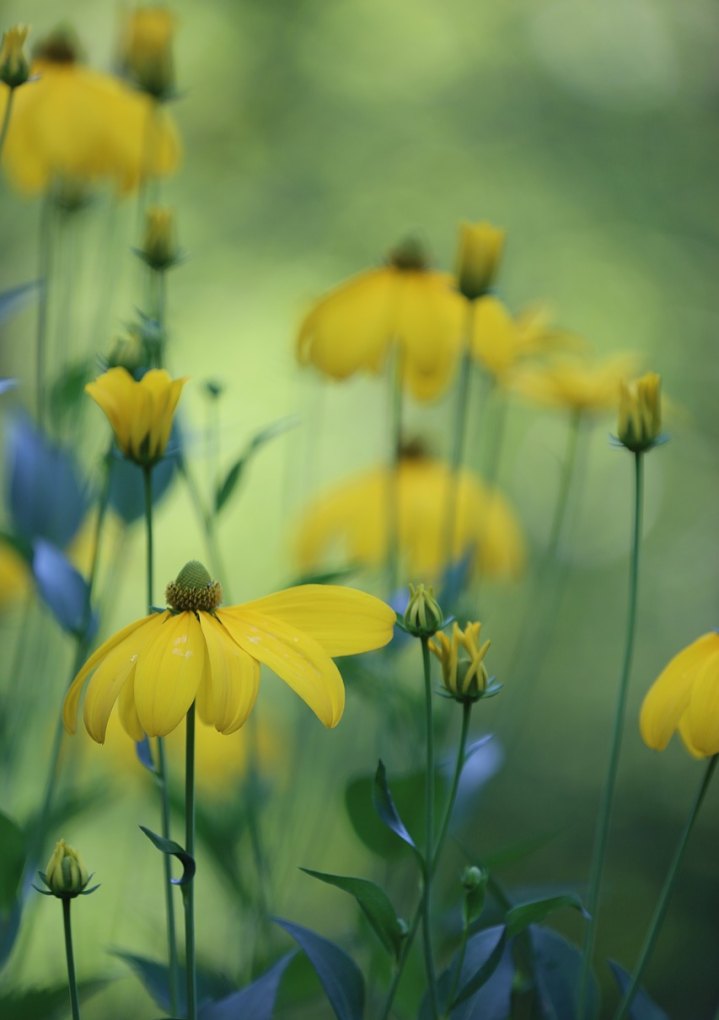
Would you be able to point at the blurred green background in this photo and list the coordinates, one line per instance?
(315, 136)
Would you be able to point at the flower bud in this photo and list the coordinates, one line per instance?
(147, 50)
(474, 883)
(423, 616)
(159, 247)
(65, 874)
(640, 413)
(462, 659)
(478, 257)
(14, 65)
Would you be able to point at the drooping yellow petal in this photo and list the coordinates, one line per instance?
(127, 711)
(169, 673)
(72, 698)
(232, 680)
(111, 676)
(428, 326)
(669, 696)
(344, 621)
(295, 657)
(702, 715)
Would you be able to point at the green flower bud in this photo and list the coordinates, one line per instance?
(640, 413)
(423, 616)
(14, 66)
(474, 883)
(65, 874)
(464, 674)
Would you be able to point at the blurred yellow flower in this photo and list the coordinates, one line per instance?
(355, 516)
(404, 302)
(478, 257)
(576, 383)
(147, 50)
(78, 126)
(14, 576)
(157, 667)
(159, 245)
(640, 412)
(14, 66)
(501, 342)
(141, 412)
(685, 696)
(462, 659)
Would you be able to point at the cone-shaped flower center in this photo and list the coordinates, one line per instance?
(59, 48)
(410, 255)
(193, 590)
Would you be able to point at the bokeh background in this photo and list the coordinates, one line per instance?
(316, 135)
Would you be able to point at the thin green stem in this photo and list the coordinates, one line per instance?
(429, 835)
(188, 890)
(173, 967)
(44, 273)
(666, 893)
(6, 118)
(605, 810)
(71, 980)
(459, 435)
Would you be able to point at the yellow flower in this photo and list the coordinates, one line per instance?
(355, 516)
(14, 67)
(640, 412)
(404, 302)
(685, 696)
(65, 874)
(159, 246)
(462, 658)
(478, 257)
(577, 384)
(141, 412)
(78, 126)
(14, 576)
(502, 342)
(147, 50)
(155, 668)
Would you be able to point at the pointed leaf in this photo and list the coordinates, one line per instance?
(374, 903)
(12, 861)
(339, 975)
(523, 914)
(233, 476)
(256, 1001)
(156, 980)
(557, 965)
(63, 589)
(487, 951)
(12, 300)
(642, 1007)
(169, 846)
(385, 808)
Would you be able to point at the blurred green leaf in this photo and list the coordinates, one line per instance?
(233, 476)
(487, 949)
(12, 300)
(155, 978)
(12, 861)
(385, 807)
(522, 915)
(173, 849)
(375, 905)
(642, 1007)
(68, 388)
(557, 964)
(339, 975)
(44, 1003)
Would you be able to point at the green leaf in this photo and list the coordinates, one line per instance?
(170, 847)
(233, 476)
(339, 975)
(557, 964)
(44, 1003)
(256, 1000)
(493, 943)
(12, 861)
(156, 980)
(385, 808)
(374, 903)
(642, 1007)
(13, 299)
(523, 914)
(66, 395)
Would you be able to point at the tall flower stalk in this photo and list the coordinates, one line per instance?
(429, 833)
(188, 889)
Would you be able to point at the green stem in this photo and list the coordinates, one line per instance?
(605, 810)
(459, 434)
(666, 893)
(459, 765)
(6, 118)
(44, 272)
(71, 980)
(188, 890)
(429, 835)
(173, 968)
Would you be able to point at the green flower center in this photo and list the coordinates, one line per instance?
(193, 590)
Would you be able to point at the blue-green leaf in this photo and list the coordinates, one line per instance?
(12, 861)
(12, 300)
(485, 952)
(642, 1007)
(233, 476)
(375, 905)
(155, 978)
(523, 914)
(339, 975)
(169, 846)
(256, 1001)
(557, 965)
(385, 808)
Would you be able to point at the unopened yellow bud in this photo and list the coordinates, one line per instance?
(65, 874)
(14, 65)
(464, 674)
(147, 50)
(478, 257)
(423, 616)
(128, 351)
(159, 247)
(640, 413)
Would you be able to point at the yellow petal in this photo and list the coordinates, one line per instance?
(127, 711)
(168, 674)
(295, 657)
(669, 695)
(429, 325)
(232, 679)
(72, 698)
(702, 716)
(344, 621)
(111, 676)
